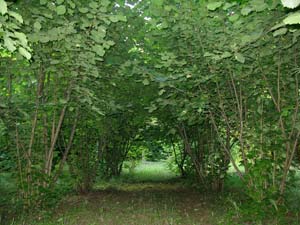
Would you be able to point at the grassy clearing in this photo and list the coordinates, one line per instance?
(151, 194)
(135, 207)
(149, 172)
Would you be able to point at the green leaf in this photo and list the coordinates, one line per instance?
(98, 35)
(110, 43)
(234, 18)
(297, 126)
(24, 53)
(152, 108)
(260, 110)
(168, 8)
(116, 18)
(48, 15)
(94, 5)
(158, 2)
(208, 54)
(280, 32)
(17, 16)
(61, 10)
(161, 92)
(59, 1)
(21, 37)
(226, 55)
(37, 26)
(228, 5)
(293, 18)
(83, 10)
(239, 57)
(214, 5)
(246, 11)
(9, 44)
(99, 50)
(259, 5)
(273, 202)
(290, 3)
(72, 4)
(105, 3)
(97, 110)
(43, 2)
(277, 26)
(63, 101)
(146, 82)
(3, 7)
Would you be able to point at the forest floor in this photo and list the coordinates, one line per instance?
(151, 194)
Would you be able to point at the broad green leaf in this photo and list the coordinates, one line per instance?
(164, 25)
(9, 44)
(172, 131)
(24, 53)
(103, 9)
(293, 18)
(290, 3)
(234, 18)
(277, 26)
(3, 7)
(239, 57)
(37, 26)
(228, 5)
(59, 1)
(48, 15)
(208, 54)
(99, 50)
(214, 5)
(168, 8)
(226, 55)
(94, 5)
(146, 82)
(111, 43)
(63, 101)
(161, 92)
(21, 37)
(105, 3)
(246, 11)
(44, 39)
(116, 18)
(152, 108)
(61, 10)
(71, 4)
(43, 2)
(280, 31)
(54, 62)
(158, 2)
(259, 5)
(98, 35)
(97, 110)
(260, 110)
(17, 16)
(83, 10)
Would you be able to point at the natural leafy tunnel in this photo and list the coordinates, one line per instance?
(91, 85)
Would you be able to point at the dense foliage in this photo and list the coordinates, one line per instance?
(87, 85)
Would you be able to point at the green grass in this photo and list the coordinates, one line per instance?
(149, 171)
(152, 194)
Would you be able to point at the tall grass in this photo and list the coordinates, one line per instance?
(149, 172)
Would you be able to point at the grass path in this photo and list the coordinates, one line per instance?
(156, 204)
(149, 196)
